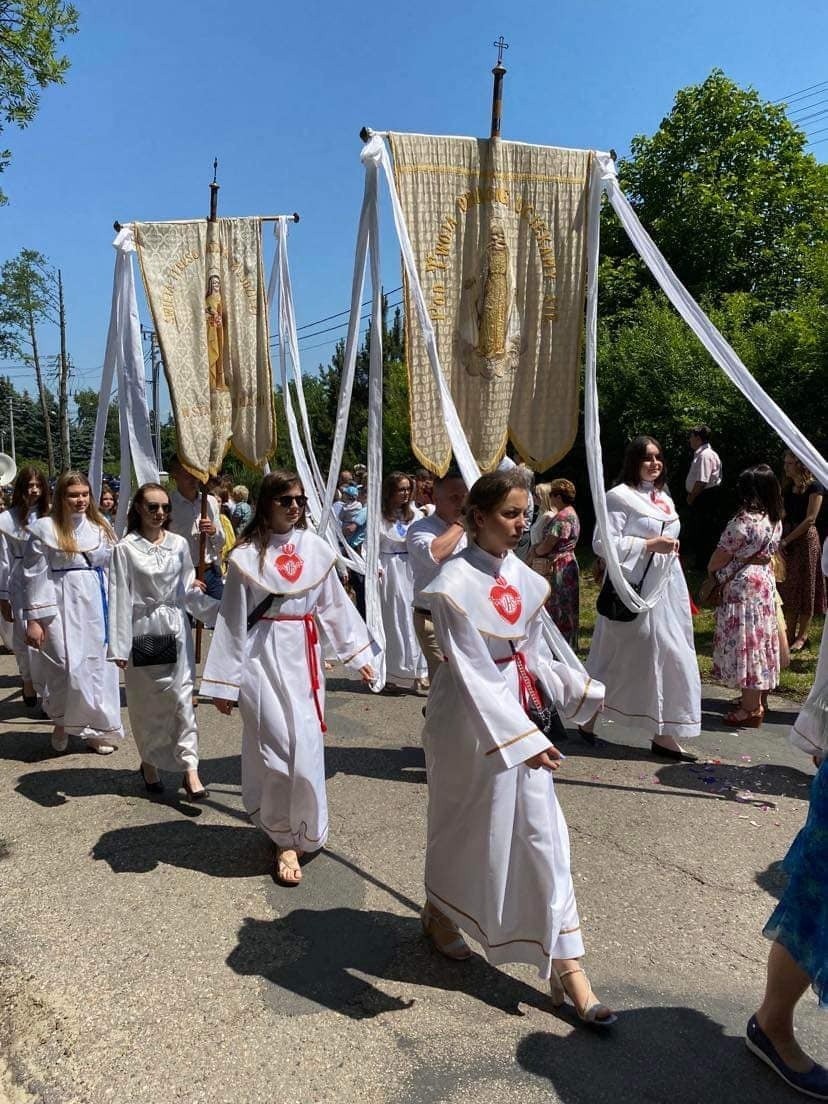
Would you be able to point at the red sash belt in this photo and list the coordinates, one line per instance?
(311, 642)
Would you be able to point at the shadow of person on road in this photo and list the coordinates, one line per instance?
(773, 879)
(405, 764)
(51, 788)
(218, 850)
(30, 746)
(727, 780)
(653, 1054)
(316, 958)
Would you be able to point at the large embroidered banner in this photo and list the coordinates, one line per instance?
(498, 231)
(205, 286)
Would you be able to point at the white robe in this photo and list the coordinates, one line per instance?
(810, 729)
(63, 589)
(648, 665)
(149, 591)
(497, 861)
(403, 657)
(13, 540)
(269, 671)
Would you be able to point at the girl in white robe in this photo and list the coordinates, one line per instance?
(265, 655)
(66, 564)
(648, 665)
(404, 660)
(497, 860)
(30, 500)
(152, 585)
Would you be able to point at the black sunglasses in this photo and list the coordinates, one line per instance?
(154, 507)
(286, 501)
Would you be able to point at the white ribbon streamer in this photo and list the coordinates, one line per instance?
(124, 358)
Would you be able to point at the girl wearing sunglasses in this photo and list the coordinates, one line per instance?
(648, 665)
(281, 584)
(152, 584)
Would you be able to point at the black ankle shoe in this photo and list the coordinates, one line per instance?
(30, 700)
(195, 795)
(151, 787)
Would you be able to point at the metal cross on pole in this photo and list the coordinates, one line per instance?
(499, 72)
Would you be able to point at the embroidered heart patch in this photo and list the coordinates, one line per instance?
(506, 600)
(289, 564)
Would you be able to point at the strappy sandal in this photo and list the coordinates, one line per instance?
(746, 718)
(287, 863)
(591, 1012)
(444, 934)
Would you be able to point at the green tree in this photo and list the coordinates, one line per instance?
(83, 431)
(31, 32)
(28, 298)
(728, 193)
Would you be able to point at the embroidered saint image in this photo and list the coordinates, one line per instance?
(489, 341)
(213, 307)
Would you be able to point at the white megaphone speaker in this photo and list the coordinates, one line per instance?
(8, 469)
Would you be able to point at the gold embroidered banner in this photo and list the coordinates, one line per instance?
(205, 287)
(498, 231)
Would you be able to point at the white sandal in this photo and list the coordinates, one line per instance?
(589, 1014)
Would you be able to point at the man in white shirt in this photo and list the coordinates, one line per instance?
(703, 497)
(186, 520)
(430, 542)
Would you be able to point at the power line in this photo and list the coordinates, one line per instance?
(814, 114)
(331, 329)
(803, 92)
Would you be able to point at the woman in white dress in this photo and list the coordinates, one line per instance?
(497, 860)
(265, 655)
(404, 661)
(31, 500)
(151, 585)
(66, 564)
(648, 665)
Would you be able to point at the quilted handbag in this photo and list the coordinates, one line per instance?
(154, 651)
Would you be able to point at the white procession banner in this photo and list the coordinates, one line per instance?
(205, 286)
(498, 234)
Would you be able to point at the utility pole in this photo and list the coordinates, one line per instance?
(11, 426)
(63, 398)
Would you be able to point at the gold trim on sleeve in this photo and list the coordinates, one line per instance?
(514, 740)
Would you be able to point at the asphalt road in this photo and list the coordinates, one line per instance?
(147, 955)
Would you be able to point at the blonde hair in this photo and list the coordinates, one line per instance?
(240, 493)
(62, 516)
(542, 494)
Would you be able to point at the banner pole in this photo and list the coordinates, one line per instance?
(499, 72)
(202, 537)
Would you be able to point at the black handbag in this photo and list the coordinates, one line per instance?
(154, 651)
(608, 603)
(537, 707)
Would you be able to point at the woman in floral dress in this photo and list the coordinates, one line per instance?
(554, 557)
(746, 640)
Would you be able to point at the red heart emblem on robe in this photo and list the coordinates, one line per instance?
(506, 600)
(289, 564)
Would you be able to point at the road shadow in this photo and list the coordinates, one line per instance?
(653, 1054)
(405, 764)
(751, 783)
(316, 957)
(715, 709)
(29, 746)
(52, 788)
(773, 879)
(217, 850)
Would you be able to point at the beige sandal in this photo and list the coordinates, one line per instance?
(288, 870)
(444, 934)
(590, 1012)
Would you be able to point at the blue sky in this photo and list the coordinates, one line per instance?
(279, 93)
